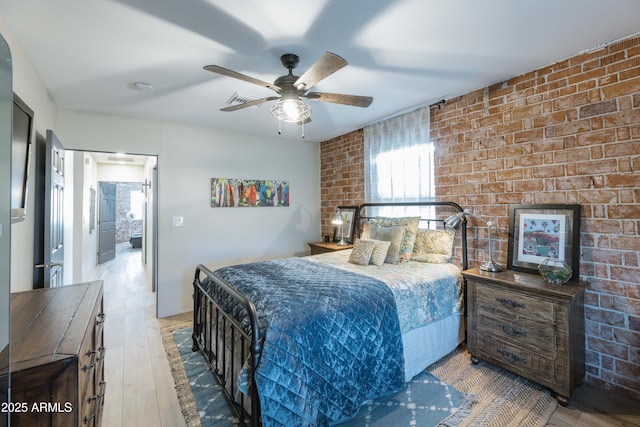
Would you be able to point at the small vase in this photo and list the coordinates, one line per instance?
(555, 271)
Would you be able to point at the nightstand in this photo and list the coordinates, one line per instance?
(323, 247)
(527, 326)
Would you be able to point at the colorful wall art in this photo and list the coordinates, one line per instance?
(234, 192)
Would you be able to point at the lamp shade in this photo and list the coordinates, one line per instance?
(337, 219)
(454, 220)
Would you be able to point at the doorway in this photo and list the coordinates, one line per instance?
(114, 197)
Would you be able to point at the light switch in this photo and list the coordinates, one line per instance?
(178, 221)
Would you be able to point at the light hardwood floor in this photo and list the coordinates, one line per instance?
(140, 389)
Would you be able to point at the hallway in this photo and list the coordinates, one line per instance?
(140, 389)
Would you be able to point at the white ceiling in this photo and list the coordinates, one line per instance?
(404, 53)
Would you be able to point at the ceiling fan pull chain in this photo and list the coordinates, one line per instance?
(302, 126)
(279, 127)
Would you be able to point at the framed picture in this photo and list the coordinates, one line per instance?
(348, 214)
(92, 209)
(537, 232)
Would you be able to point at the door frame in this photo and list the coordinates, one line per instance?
(152, 215)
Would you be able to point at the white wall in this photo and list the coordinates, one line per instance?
(120, 173)
(28, 86)
(84, 238)
(188, 157)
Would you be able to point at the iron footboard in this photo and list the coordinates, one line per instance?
(221, 339)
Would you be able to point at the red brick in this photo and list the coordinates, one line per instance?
(627, 243)
(548, 171)
(550, 198)
(625, 87)
(550, 119)
(631, 275)
(606, 317)
(598, 108)
(631, 179)
(571, 101)
(571, 128)
(509, 127)
(529, 135)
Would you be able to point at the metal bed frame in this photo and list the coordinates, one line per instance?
(213, 325)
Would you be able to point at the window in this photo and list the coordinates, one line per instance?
(137, 204)
(399, 161)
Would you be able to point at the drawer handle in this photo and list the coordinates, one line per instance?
(512, 357)
(88, 418)
(510, 303)
(96, 397)
(101, 317)
(102, 351)
(511, 330)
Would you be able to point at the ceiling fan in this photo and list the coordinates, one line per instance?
(290, 88)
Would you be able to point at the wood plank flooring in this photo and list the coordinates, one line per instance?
(140, 390)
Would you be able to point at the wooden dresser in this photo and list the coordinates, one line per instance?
(57, 356)
(527, 326)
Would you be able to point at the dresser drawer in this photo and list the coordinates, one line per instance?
(536, 336)
(515, 305)
(517, 359)
(532, 328)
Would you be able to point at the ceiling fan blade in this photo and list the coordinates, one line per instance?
(328, 64)
(250, 103)
(338, 98)
(240, 76)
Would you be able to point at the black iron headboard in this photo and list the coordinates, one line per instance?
(361, 215)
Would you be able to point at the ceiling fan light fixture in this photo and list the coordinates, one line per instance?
(291, 110)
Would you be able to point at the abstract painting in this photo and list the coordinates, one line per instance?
(235, 192)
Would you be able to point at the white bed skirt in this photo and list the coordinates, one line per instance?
(426, 345)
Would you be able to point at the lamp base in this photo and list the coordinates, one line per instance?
(491, 267)
(342, 243)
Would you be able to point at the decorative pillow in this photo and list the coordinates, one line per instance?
(392, 234)
(379, 251)
(366, 229)
(433, 246)
(409, 238)
(361, 253)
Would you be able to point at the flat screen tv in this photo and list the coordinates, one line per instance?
(22, 132)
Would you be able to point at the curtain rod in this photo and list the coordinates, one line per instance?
(439, 104)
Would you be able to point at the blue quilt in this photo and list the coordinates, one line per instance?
(332, 340)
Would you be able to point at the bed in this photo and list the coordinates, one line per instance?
(306, 341)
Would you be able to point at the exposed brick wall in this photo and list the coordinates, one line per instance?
(566, 133)
(124, 227)
(341, 175)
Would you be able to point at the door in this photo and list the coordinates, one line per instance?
(53, 221)
(107, 222)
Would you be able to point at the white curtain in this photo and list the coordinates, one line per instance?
(399, 160)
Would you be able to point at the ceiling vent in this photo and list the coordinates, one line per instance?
(241, 98)
(121, 159)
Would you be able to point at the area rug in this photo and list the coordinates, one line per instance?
(452, 392)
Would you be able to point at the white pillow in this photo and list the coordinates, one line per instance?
(379, 251)
(392, 234)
